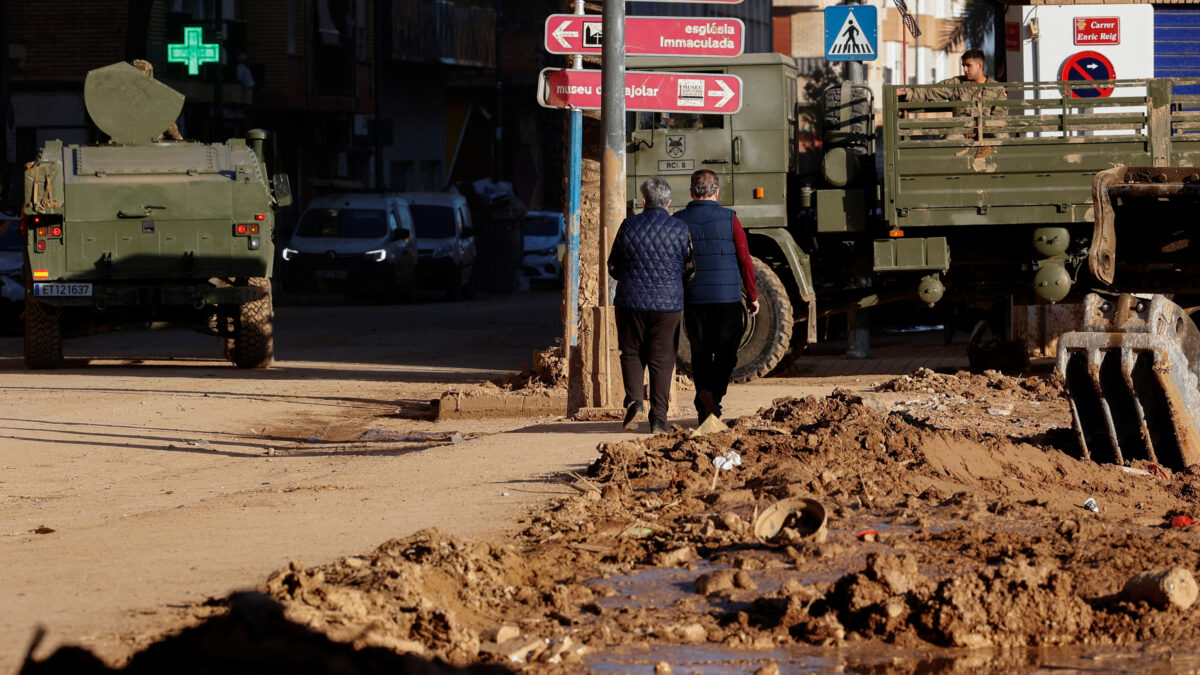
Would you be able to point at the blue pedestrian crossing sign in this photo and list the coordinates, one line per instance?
(851, 33)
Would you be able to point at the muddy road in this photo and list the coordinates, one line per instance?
(138, 492)
(168, 476)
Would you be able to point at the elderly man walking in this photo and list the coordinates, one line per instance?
(648, 259)
(714, 314)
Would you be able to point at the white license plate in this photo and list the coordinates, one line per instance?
(63, 290)
(331, 274)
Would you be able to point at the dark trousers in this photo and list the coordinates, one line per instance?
(648, 339)
(714, 332)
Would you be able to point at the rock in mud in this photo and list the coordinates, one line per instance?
(713, 582)
(1174, 587)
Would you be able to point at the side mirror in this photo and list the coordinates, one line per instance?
(400, 234)
(282, 189)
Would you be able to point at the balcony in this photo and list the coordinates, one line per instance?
(441, 31)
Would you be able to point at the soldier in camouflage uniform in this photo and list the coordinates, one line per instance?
(972, 65)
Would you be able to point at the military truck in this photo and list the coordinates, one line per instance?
(138, 231)
(927, 203)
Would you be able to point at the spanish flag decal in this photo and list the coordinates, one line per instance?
(41, 274)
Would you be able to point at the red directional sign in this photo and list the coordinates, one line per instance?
(648, 35)
(662, 92)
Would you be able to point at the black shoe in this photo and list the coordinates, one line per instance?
(631, 414)
(706, 405)
(658, 426)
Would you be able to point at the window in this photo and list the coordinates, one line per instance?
(652, 120)
(292, 20)
(435, 222)
(343, 224)
(543, 226)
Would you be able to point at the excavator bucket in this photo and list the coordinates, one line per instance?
(1131, 375)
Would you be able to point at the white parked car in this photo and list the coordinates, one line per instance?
(445, 240)
(544, 232)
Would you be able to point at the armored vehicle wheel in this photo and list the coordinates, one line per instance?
(43, 336)
(767, 336)
(254, 331)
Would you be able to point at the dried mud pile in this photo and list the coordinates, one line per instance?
(961, 534)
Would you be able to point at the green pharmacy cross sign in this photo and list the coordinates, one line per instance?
(194, 52)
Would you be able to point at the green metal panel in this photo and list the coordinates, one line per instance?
(841, 210)
(911, 254)
(1034, 166)
(798, 261)
(750, 150)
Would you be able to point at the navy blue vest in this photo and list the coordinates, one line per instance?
(717, 279)
(647, 261)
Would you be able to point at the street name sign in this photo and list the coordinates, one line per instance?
(661, 92)
(648, 35)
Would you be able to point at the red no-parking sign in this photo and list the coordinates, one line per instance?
(1088, 66)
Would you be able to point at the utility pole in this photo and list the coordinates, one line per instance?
(612, 121)
(594, 366)
(858, 322)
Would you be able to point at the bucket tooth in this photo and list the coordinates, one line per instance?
(1141, 404)
(1132, 381)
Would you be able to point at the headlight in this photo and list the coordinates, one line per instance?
(378, 255)
(290, 253)
(443, 251)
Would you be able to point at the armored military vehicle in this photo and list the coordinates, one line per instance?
(1067, 197)
(138, 231)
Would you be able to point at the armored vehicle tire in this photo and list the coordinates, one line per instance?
(254, 331)
(767, 336)
(43, 336)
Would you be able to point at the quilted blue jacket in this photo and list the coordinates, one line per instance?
(647, 260)
(718, 278)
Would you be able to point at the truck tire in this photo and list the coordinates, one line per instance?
(254, 331)
(43, 336)
(768, 335)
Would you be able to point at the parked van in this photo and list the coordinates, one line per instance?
(544, 232)
(445, 240)
(354, 243)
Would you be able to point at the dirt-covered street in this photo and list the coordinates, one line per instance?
(140, 490)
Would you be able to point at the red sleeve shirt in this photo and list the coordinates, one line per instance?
(745, 265)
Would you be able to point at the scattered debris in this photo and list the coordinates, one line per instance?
(454, 437)
(985, 547)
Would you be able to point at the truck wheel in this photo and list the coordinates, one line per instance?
(43, 336)
(767, 336)
(254, 331)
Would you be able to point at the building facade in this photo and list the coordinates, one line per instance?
(388, 94)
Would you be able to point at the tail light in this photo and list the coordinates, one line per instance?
(45, 226)
(245, 229)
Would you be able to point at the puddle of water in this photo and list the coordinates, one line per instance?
(717, 660)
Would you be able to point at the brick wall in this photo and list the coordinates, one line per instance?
(65, 39)
(267, 46)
